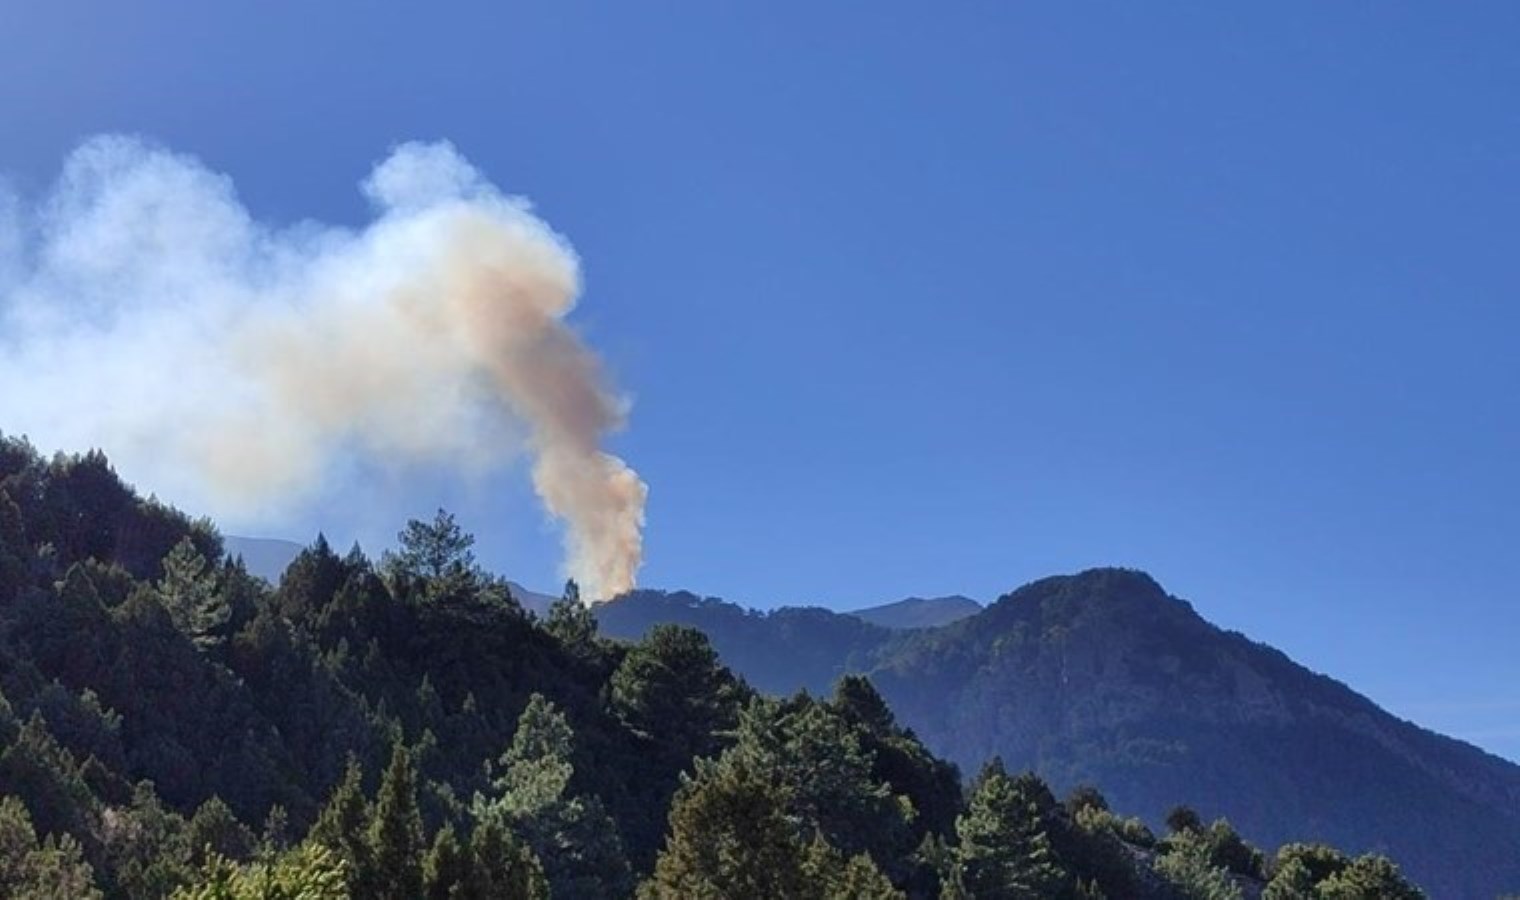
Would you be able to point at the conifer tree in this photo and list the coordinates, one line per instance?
(573, 837)
(501, 868)
(728, 838)
(571, 621)
(672, 688)
(447, 867)
(395, 832)
(1004, 850)
(832, 876)
(54, 869)
(342, 828)
(189, 594)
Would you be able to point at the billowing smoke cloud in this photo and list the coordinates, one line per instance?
(226, 363)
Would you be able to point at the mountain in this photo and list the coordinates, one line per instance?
(919, 612)
(778, 652)
(532, 601)
(158, 703)
(1103, 678)
(264, 557)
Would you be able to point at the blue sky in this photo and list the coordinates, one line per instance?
(922, 299)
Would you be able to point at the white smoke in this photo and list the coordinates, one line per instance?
(233, 365)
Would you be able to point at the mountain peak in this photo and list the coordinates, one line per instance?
(919, 612)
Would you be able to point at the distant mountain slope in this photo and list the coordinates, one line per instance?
(1103, 678)
(264, 557)
(778, 652)
(532, 601)
(919, 612)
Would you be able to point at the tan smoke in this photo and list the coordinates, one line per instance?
(248, 363)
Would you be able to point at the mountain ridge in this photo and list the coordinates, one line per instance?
(1103, 677)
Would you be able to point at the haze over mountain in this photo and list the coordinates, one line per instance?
(1103, 678)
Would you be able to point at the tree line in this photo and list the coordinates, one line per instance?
(171, 726)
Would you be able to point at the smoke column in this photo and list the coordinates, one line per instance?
(233, 364)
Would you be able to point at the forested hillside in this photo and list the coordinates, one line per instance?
(400, 728)
(1103, 678)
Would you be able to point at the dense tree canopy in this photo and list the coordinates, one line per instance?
(172, 726)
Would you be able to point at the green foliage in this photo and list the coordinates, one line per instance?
(729, 837)
(437, 551)
(832, 876)
(571, 621)
(1004, 849)
(395, 833)
(343, 825)
(1187, 867)
(1324, 873)
(312, 872)
(190, 594)
(52, 869)
(214, 830)
(156, 697)
(821, 767)
(502, 868)
(572, 835)
(671, 689)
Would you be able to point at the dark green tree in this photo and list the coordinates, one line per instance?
(342, 827)
(215, 830)
(502, 868)
(820, 764)
(1004, 850)
(831, 875)
(53, 869)
(189, 594)
(572, 835)
(672, 689)
(729, 837)
(1369, 877)
(1183, 818)
(448, 867)
(1186, 865)
(395, 832)
(437, 551)
(571, 621)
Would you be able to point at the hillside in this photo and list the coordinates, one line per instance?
(1103, 678)
(171, 725)
(778, 652)
(919, 612)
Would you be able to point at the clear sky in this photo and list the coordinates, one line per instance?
(934, 298)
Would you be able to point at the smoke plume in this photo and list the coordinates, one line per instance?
(236, 365)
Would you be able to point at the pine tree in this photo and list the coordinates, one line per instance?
(55, 869)
(189, 593)
(14, 550)
(819, 763)
(501, 868)
(447, 868)
(395, 832)
(1369, 877)
(728, 838)
(342, 828)
(1193, 875)
(1004, 850)
(573, 837)
(672, 688)
(437, 552)
(833, 877)
(214, 829)
(571, 621)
